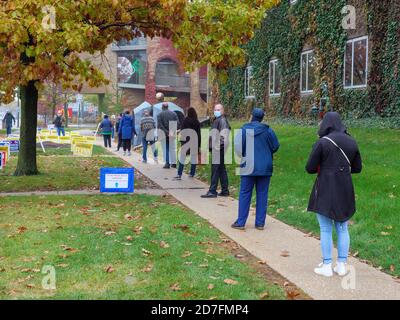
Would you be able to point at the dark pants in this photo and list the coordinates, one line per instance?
(246, 191)
(218, 173)
(126, 144)
(119, 142)
(169, 150)
(107, 140)
(60, 130)
(9, 130)
(192, 169)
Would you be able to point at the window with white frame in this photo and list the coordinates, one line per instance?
(356, 63)
(274, 78)
(307, 71)
(249, 83)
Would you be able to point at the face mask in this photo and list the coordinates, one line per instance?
(217, 114)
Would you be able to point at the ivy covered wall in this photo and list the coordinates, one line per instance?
(289, 30)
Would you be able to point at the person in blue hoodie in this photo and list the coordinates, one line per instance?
(127, 131)
(255, 144)
(106, 127)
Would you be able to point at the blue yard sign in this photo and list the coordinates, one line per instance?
(117, 180)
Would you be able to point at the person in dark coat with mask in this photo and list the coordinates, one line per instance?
(255, 144)
(334, 157)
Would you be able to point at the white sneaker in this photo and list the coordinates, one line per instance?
(340, 268)
(129, 154)
(324, 270)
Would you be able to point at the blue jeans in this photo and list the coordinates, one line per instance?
(9, 130)
(61, 130)
(326, 226)
(247, 184)
(145, 143)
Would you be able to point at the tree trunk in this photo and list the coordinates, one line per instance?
(27, 153)
(195, 98)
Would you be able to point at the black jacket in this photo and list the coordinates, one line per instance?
(164, 119)
(222, 126)
(194, 124)
(333, 191)
(9, 118)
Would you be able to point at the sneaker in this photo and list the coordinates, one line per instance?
(166, 166)
(124, 153)
(144, 161)
(223, 194)
(129, 154)
(260, 227)
(209, 195)
(237, 226)
(173, 166)
(340, 269)
(190, 176)
(324, 270)
(177, 178)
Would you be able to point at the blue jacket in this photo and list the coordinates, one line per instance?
(106, 126)
(259, 160)
(126, 127)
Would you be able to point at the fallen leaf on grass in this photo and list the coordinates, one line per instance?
(262, 262)
(109, 233)
(21, 229)
(183, 227)
(239, 256)
(292, 294)
(210, 286)
(128, 217)
(264, 295)
(109, 269)
(383, 233)
(30, 285)
(145, 252)
(67, 248)
(187, 254)
(163, 244)
(175, 287)
(62, 265)
(129, 238)
(230, 281)
(392, 268)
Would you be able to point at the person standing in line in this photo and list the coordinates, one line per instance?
(59, 122)
(148, 126)
(127, 131)
(255, 144)
(119, 135)
(164, 121)
(106, 131)
(190, 122)
(113, 120)
(9, 119)
(334, 157)
(218, 144)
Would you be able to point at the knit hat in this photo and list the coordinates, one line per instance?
(258, 115)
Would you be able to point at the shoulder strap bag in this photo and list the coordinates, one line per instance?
(341, 150)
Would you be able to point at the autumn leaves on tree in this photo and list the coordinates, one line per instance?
(40, 41)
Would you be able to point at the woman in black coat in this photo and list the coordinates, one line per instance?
(334, 157)
(191, 122)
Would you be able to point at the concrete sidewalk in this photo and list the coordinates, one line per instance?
(288, 251)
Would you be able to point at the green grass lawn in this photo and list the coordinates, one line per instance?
(375, 228)
(118, 247)
(60, 170)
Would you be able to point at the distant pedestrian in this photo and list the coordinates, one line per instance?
(59, 122)
(148, 126)
(168, 122)
(218, 144)
(191, 122)
(255, 144)
(127, 131)
(106, 131)
(119, 135)
(113, 121)
(9, 119)
(334, 157)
